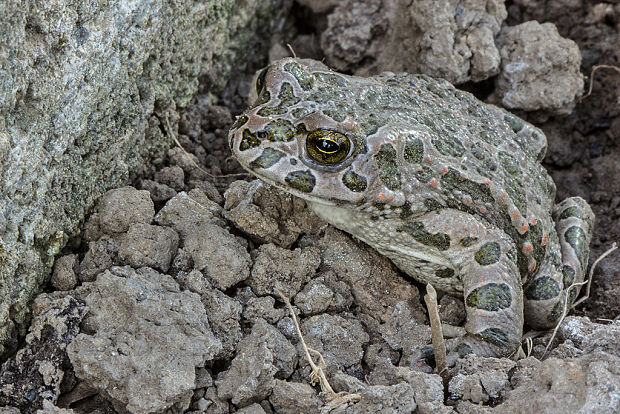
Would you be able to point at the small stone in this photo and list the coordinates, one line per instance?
(159, 192)
(314, 298)
(250, 377)
(294, 398)
(122, 207)
(172, 176)
(64, 276)
(101, 255)
(341, 341)
(148, 245)
(252, 409)
(285, 270)
(540, 69)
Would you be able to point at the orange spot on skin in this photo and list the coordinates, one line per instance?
(381, 196)
(483, 209)
(428, 159)
(524, 228)
(533, 221)
(433, 182)
(527, 248)
(390, 197)
(503, 196)
(532, 266)
(515, 215)
(543, 241)
(444, 170)
(464, 228)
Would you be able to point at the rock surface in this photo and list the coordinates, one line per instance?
(453, 40)
(147, 339)
(540, 69)
(84, 90)
(35, 374)
(352, 303)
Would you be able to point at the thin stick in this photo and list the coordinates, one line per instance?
(586, 296)
(601, 257)
(439, 345)
(318, 374)
(594, 69)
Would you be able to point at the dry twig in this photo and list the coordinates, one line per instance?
(587, 282)
(594, 69)
(333, 398)
(439, 346)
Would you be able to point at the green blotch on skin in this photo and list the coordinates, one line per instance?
(568, 276)
(514, 181)
(337, 115)
(437, 90)
(248, 140)
(449, 146)
(414, 151)
(439, 240)
(572, 211)
(354, 182)
(371, 125)
(495, 336)
(543, 288)
(453, 181)
(388, 168)
(304, 78)
(515, 123)
(490, 297)
(262, 99)
(271, 110)
(576, 237)
(330, 78)
(556, 313)
(443, 273)
(424, 175)
(303, 181)
(267, 159)
(239, 122)
(300, 112)
(488, 254)
(405, 211)
(280, 130)
(287, 94)
(535, 234)
(468, 241)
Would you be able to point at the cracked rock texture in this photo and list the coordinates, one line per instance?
(35, 374)
(147, 339)
(84, 89)
(448, 39)
(540, 69)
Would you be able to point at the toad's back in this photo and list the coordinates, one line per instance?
(448, 187)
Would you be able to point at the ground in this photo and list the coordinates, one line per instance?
(167, 302)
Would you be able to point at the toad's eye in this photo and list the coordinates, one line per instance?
(327, 147)
(260, 81)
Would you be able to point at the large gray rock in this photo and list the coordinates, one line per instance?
(85, 87)
(148, 337)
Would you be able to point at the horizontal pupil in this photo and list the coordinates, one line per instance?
(328, 146)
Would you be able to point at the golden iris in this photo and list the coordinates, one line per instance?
(327, 147)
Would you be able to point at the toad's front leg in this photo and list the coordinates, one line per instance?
(485, 260)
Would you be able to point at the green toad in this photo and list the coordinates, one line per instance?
(449, 188)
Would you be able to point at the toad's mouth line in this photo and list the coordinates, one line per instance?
(290, 190)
